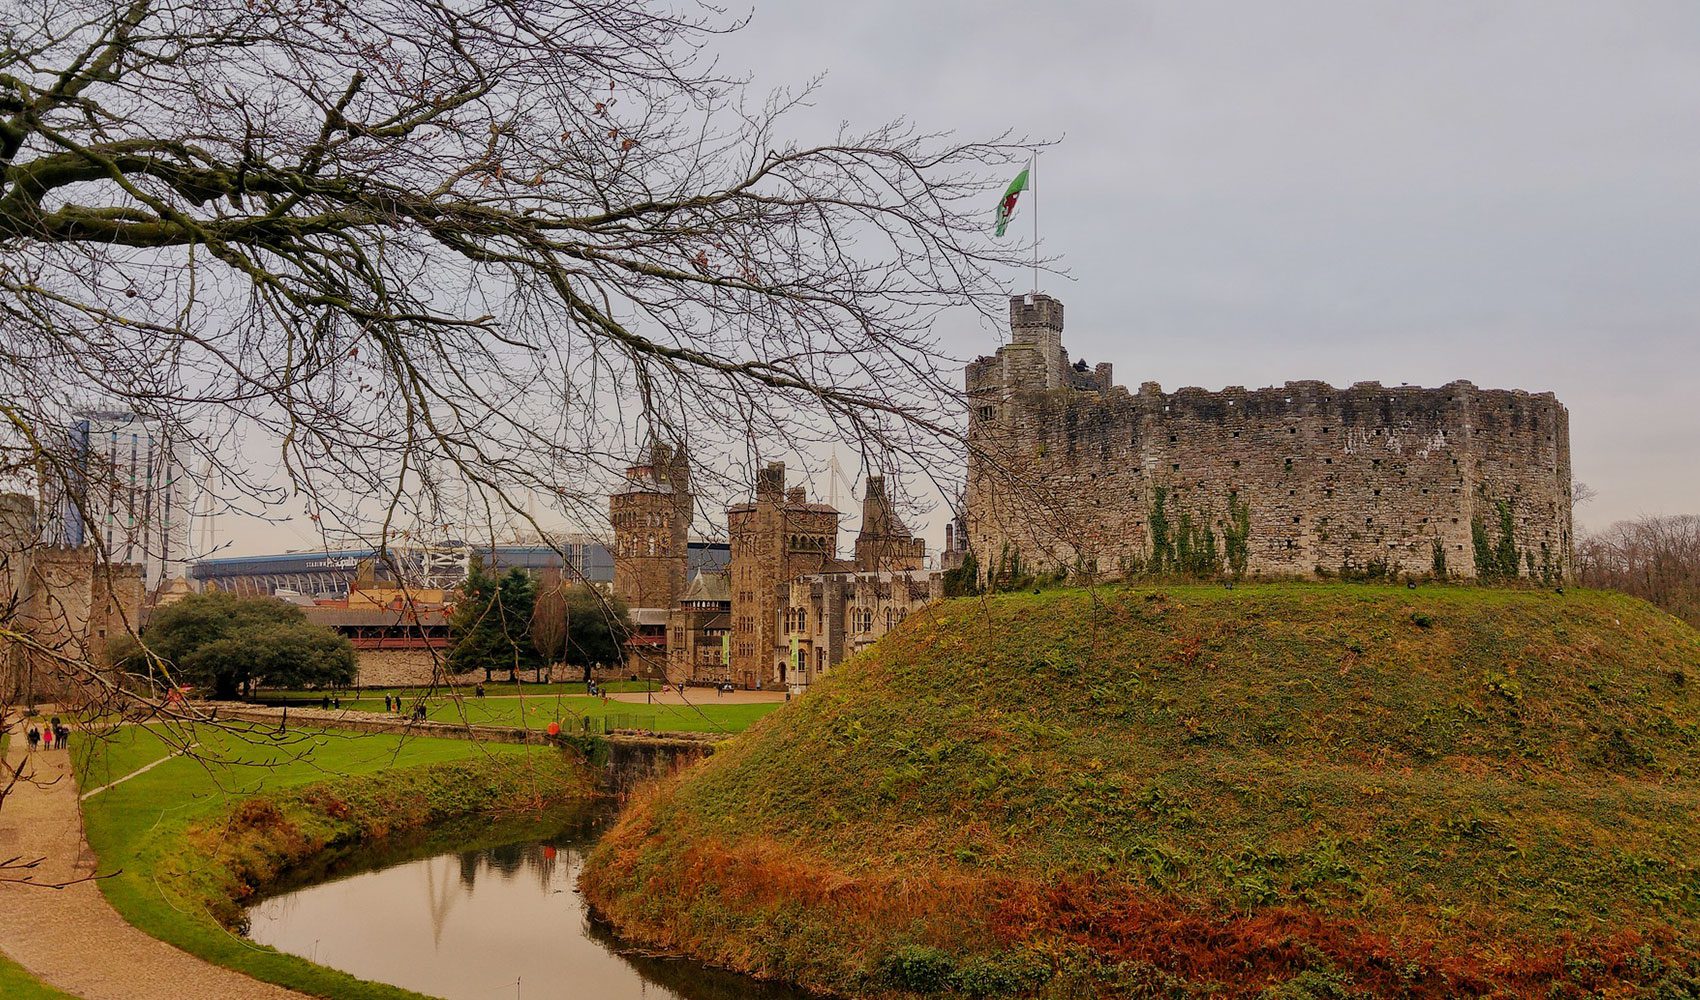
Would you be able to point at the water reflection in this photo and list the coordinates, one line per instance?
(495, 922)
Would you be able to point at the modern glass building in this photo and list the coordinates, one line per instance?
(130, 495)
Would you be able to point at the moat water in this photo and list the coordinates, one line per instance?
(498, 920)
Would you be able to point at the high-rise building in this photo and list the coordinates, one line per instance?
(129, 496)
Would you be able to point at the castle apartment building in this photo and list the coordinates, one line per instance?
(787, 609)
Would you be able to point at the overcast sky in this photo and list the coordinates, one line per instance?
(1246, 193)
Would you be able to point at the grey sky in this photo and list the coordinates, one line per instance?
(1247, 193)
(1250, 192)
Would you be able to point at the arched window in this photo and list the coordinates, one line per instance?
(652, 544)
(802, 619)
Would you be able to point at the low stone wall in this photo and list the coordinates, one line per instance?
(397, 667)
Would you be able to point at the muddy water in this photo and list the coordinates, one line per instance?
(486, 923)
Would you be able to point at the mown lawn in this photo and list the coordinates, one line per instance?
(499, 686)
(17, 984)
(536, 712)
(140, 829)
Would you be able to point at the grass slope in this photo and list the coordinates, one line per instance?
(195, 837)
(1309, 790)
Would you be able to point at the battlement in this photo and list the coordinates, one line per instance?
(1034, 358)
(1032, 317)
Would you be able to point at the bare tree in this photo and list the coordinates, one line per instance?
(406, 264)
(1656, 558)
(448, 257)
(549, 620)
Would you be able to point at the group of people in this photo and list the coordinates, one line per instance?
(392, 703)
(54, 734)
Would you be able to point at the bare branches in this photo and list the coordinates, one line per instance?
(516, 231)
(1655, 558)
(413, 266)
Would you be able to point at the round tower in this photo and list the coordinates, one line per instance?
(651, 516)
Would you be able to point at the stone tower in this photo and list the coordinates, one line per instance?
(776, 538)
(885, 542)
(651, 516)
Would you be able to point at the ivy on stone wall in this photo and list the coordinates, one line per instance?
(964, 580)
(1011, 573)
(1237, 534)
(1162, 547)
(1498, 560)
(1189, 547)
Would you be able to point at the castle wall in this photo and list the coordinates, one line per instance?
(69, 606)
(1329, 480)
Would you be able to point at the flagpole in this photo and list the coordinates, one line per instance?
(1033, 182)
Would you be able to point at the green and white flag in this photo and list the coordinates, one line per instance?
(1006, 204)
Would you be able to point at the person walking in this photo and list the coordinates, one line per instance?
(62, 736)
(34, 738)
(47, 739)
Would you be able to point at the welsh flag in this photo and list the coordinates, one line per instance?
(1006, 204)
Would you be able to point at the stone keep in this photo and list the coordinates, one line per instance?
(651, 517)
(1066, 469)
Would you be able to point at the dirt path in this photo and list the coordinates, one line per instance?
(72, 938)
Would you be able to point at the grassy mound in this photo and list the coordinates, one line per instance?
(1286, 790)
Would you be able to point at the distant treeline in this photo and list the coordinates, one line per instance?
(1654, 558)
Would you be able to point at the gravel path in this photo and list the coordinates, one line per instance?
(72, 938)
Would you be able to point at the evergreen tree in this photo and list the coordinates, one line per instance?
(597, 627)
(491, 624)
